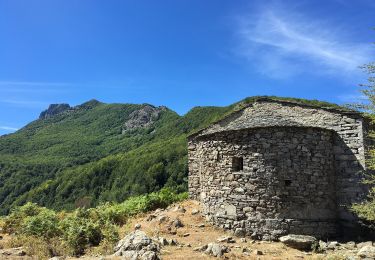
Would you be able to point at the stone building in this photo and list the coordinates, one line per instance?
(277, 167)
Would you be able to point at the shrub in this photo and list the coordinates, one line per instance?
(366, 210)
(79, 231)
(13, 222)
(44, 224)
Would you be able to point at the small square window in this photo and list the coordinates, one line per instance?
(287, 183)
(237, 164)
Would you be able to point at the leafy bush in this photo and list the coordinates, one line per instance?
(366, 210)
(79, 231)
(14, 221)
(44, 224)
(119, 213)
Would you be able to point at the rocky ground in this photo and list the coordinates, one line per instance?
(181, 232)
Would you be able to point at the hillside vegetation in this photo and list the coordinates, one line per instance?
(98, 152)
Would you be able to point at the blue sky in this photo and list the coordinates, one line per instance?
(178, 53)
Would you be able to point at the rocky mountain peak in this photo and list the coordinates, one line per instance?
(54, 109)
(143, 117)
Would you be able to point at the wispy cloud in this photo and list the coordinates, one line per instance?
(24, 87)
(284, 43)
(24, 103)
(8, 128)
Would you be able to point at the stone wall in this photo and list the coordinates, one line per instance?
(286, 127)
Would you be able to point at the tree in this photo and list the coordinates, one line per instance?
(366, 210)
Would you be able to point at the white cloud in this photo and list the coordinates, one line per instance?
(284, 43)
(8, 128)
(24, 103)
(33, 87)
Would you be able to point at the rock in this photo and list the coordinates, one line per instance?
(201, 225)
(177, 223)
(54, 109)
(163, 241)
(143, 117)
(137, 245)
(226, 239)
(58, 258)
(300, 242)
(360, 245)
(349, 245)
(246, 250)
(200, 248)
(186, 235)
(150, 217)
(137, 226)
(216, 250)
(243, 240)
(158, 211)
(239, 232)
(333, 245)
(161, 219)
(179, 208)
(367, 252)
(17, 251)
(1, 237)
(172, 242)
(194, 212)
(322, 245)
(257, 252)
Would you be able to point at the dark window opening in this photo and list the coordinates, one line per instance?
(237, 164)
(288, 182)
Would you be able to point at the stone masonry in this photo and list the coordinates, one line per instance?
(278, 167)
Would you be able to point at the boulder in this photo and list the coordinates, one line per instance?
(216, 250)
(137, 245)
(300, 242)
(367, 252)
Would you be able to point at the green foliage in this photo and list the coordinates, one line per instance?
(42, 224)
(14, 221)
(366, 210)
(83, 228)
(79, 231)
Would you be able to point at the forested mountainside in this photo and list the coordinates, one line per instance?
(96, 152)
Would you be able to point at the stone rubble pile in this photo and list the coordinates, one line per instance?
(137, 245)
